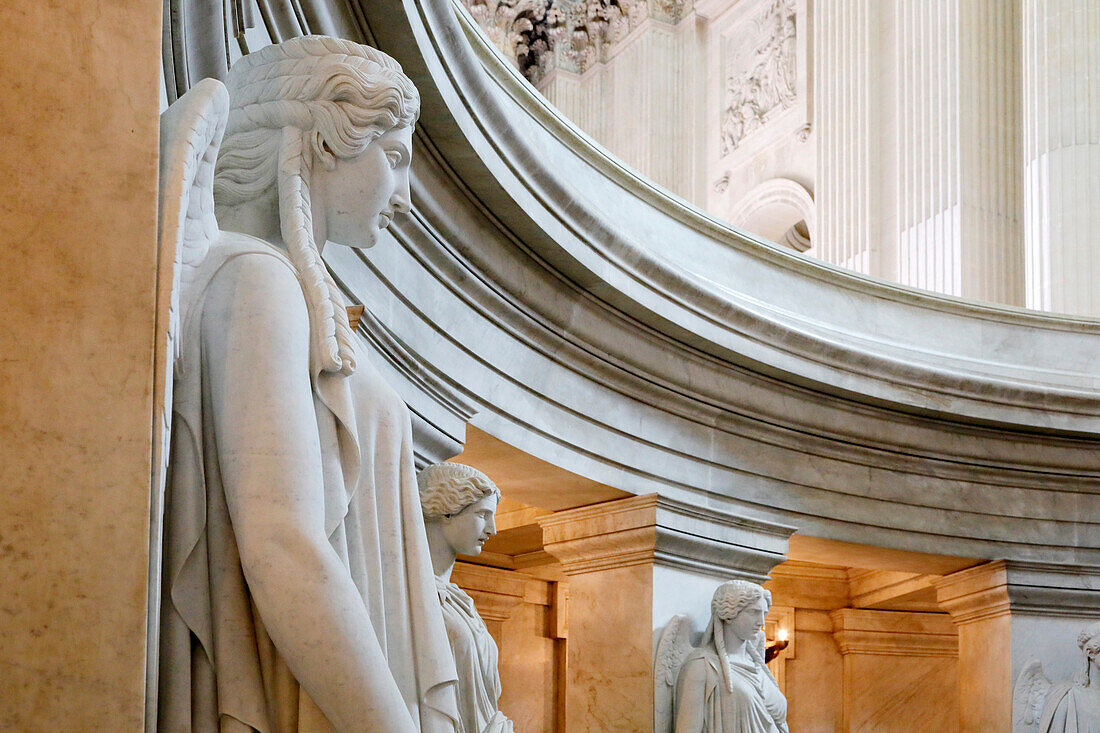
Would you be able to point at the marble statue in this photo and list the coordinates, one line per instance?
(459, 504)
(298, 592)
(724, 685)
(1039, 705)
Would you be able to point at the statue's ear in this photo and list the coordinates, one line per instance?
(324, 155)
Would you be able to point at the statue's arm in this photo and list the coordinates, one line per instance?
(691, 693)
(255, 334)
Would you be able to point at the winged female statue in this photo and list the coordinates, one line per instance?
(1038, 705)
(298, 592)
(724, 685)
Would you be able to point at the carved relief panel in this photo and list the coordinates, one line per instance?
(763, 71)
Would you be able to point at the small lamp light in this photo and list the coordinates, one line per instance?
(773, 648)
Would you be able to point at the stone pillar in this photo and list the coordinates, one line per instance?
(1061, 102)
(632, 564)
(918, 164)
(1008, 613)
(79, 96)
(899, 670)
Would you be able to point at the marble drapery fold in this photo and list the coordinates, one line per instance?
(219, 670)
(752, 706)
(475, 655)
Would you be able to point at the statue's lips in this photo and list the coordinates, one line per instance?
(384, 220)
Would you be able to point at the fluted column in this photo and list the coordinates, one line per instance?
(1061, 89)
(918, 162)
(850, 205)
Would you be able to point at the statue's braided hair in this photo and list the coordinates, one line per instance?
(330, 99)
(729, 600)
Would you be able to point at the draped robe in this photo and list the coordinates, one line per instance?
(219, 671)
(1080, 706)
(475, 655)
(752, 706)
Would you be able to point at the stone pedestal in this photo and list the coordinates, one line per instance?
(1061, 103)
(632, 564)
(1007, 613)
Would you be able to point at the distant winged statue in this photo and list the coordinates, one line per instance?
(1040, 706)
(723, 685)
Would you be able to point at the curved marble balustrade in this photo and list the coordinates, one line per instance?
(595, 321)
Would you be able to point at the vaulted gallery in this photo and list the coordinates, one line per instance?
(795, 292)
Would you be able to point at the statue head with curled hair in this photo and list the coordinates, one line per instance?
(459, 504)
(1088, 640)
(738, 608)
(317, 148)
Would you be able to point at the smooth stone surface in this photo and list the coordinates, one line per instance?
(79, 99)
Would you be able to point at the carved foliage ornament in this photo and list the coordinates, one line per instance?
(542, 35)
(760, 73)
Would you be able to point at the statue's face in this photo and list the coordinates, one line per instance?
(750, 620)
(468, 530)
(358, 198)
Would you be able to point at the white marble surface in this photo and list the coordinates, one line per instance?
(294, 544)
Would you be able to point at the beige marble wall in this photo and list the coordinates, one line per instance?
(871, 650)
(79, 100)
(609, 667)
(814, 679)
(518, 610)
(528, 670)
(900, 670)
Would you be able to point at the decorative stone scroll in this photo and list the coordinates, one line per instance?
(760, 72)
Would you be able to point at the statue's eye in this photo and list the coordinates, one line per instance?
(394, 157)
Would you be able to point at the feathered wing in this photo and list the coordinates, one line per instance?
(672, 650)
(1029, 695)
(190, 134)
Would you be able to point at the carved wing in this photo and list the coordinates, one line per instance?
(1029, 694)
(190, 134)
(672, 650)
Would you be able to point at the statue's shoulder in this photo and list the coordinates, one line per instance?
(248, 262)
(699, 662)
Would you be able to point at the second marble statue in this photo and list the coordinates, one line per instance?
(459, 504)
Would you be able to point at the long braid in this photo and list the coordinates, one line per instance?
(328, 99)
(328, 320)
(720, 646)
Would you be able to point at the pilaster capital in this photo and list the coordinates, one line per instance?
(1004, 587)
(655, 530)
(894, 633)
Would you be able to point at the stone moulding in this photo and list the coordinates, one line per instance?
(602, 324)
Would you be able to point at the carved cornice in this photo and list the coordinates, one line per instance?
(655, 530)
(1003, 588)
(894, 633)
